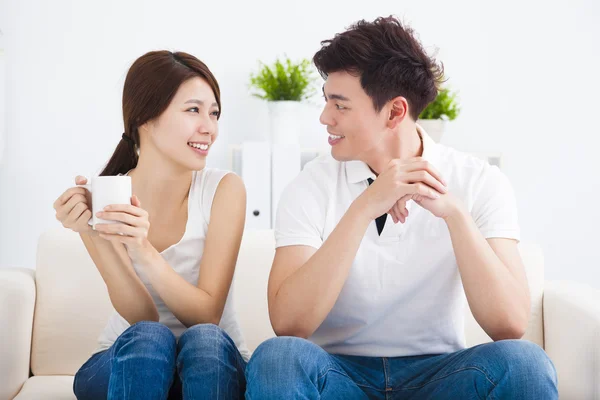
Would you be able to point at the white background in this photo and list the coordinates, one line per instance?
(527, 72)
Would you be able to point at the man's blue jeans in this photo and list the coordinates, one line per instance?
(294, 368)
(147, 362)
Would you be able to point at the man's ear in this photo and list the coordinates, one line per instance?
(398, 111)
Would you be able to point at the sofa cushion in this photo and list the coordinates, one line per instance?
(17, 302)
(47, 388)
(72, 305)
(250, 286)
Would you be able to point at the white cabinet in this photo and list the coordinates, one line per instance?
(266, 169)
(285, 165)
(254, 166)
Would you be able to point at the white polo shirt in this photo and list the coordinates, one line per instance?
(404, 295)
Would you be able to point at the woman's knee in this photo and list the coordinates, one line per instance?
(91, 380)
(205, 337)
(146, 337)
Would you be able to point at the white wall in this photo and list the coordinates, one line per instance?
(2, 104)
(526, 70)
(2, 101)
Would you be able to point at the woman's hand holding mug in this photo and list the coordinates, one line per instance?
(73, 207)
(132, 230)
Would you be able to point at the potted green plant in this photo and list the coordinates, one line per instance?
(284, 84)
(434, 117)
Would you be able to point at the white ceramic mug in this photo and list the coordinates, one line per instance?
(107, 190)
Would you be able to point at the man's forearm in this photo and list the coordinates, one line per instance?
(497, 299)
(307, 296)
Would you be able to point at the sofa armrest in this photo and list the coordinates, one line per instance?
(572, 337)
(17, 302)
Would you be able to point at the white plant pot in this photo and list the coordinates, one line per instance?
(285, 124)
(435, 128)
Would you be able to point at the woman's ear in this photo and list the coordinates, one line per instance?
(145, 128)
(144, 132)
(398, 111)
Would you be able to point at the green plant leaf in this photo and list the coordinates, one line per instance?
(285, 80)
(445, 106)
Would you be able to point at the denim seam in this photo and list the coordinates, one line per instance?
(452, 373)
(385, 374)
(216, 344)
(326, 371)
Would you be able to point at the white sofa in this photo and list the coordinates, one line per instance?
(50, 318)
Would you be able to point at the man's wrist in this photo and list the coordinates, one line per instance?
(456, 214)
(358, 210)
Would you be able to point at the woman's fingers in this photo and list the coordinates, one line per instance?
(120, 229)
(124, 218)
(127, 208)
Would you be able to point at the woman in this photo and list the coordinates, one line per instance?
(168, 267)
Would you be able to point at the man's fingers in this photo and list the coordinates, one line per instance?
(400, 208)
(424, 190)
(403, 210)
(398, 211)
(423, 165)
(427, 178)
(392, 214)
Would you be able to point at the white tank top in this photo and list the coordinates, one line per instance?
(184, 257)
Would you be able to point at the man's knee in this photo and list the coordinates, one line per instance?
(525, 356)
(525, 365)
(284, 352)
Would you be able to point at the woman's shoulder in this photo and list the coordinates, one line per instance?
(214, 182)
(210, 178)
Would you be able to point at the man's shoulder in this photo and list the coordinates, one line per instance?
(468, 169)
(456, 159)
(305, 197)
(321, 170)
(471, 173)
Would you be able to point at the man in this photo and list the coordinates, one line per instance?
(368, 305)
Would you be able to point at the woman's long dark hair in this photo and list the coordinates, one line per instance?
(150, 85)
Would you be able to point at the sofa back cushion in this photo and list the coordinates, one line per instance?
(72, 303)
